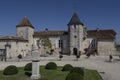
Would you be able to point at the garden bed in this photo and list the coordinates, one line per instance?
(51, 74)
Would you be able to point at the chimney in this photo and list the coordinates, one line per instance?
(97, 29)
(46, 29)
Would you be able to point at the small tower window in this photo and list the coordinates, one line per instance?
(74, 26)
(75, 36)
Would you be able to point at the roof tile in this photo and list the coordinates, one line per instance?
(25, 22)
(101, 34)
(50, 33)
(12, 38)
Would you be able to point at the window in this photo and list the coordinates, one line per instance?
(75, 36)
(60, 43)
(74, 26)
(64, 43)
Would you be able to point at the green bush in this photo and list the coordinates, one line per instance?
(78, 70)
(28, 67)
(51, 65)
(67, 67)
(10, 70)
(28, 74)
(74, 76)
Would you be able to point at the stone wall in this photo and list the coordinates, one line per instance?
(26, 33)
(16, 48)
(76, 35)
(55, 44)
(106, 47)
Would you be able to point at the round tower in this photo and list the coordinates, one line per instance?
(77, 33)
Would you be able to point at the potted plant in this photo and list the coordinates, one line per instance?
(78, 55)
(19, 57)
(60, 56)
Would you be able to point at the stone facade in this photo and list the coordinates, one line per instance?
(106, 46)
(76, 36)
(12, 47)
(76, 39)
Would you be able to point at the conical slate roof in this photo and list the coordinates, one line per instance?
(75, 20)
(25, 23)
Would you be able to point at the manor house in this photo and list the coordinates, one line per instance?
(77, 39)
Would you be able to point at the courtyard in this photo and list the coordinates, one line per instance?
(108, 70)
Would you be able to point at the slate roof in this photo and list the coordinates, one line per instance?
(25, 23)
(100, 34)
(13, 38)
(75, 20)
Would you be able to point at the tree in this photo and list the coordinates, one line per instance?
(44, 42)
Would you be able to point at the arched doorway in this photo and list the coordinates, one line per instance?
(75, 51)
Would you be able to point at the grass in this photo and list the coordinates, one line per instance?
(51, 75)
(91, 75)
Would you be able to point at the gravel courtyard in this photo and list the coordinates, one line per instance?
(108, 70)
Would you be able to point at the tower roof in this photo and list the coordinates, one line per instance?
(75, 20)
(25, 22)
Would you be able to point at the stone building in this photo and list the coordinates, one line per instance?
(72, 41)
